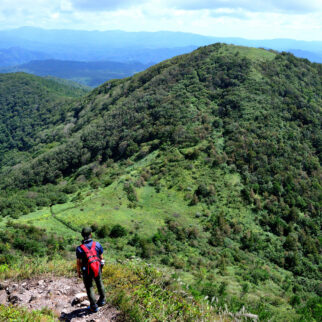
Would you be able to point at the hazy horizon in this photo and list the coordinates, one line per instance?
(270, 19)
(157, 31)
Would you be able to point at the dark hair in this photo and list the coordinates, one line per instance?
(86, 231)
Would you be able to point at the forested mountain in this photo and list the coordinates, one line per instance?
(87, 73)
(208, 163)
(30, 105)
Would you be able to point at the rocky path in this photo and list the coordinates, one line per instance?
(65, 296)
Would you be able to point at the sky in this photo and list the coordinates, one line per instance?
(252, 19)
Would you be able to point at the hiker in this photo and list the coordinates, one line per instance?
(89, 265)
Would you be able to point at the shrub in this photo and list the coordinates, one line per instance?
(94, 227)
(209, 290)
(147, 249)
(312, 310)
(130, 191)
(103, 231)
(222, 288)
(118, 231)
(178, 262)
(245, 288)
(295, 300)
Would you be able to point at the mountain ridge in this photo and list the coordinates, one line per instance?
(207, 164)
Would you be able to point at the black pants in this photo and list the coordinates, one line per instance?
(88, 282)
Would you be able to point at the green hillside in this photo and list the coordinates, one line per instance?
(207, 165)
(29, 107)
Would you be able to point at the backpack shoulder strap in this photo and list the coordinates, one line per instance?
(93, 246)
(84, 248)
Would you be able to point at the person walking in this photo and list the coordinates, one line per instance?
(89, 266)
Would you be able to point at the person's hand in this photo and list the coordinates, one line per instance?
(102, 262)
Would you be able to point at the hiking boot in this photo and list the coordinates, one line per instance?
(101, 302)
(93, 309)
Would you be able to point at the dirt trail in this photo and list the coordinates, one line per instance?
(65, 296)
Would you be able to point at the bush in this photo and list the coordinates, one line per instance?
(259, 275)
(103, 231)
(295, 300)
(245, 288)
(118, 231)
(94, 227)
(209, 290)
(312, 310)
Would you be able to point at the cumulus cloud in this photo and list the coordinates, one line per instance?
(287, 6)
(31, 4)
(233, 13)
(104, 5)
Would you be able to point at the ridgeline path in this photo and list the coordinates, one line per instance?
(69, 226)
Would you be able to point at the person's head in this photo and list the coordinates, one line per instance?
(87, 232)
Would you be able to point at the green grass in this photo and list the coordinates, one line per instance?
(43, 219)
(16, 314)
(250, 52)
(111, 206)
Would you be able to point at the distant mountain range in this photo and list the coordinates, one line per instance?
(145, 47)
(87, 73)
(138, 50)
(16, 55)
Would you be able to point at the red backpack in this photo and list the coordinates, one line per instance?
(93, 261)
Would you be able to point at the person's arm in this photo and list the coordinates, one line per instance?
(78, 266)
(101, 255)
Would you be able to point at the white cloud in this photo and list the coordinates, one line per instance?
(104, 5)
(288, 6)
(222, 18)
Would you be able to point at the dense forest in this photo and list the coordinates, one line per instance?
(28, 106)
(235, 132)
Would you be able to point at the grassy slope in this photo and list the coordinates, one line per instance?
(110, 206)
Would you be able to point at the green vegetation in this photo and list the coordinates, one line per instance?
(145, 293)
(10, 313)
(18, 240)
(206, 165)
(30, 108)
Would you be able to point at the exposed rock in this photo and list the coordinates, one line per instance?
(79, 298)
(3, 297)
(85, 303)
(32, 298)
(57, 294)
(11, 288)
(14, 298)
